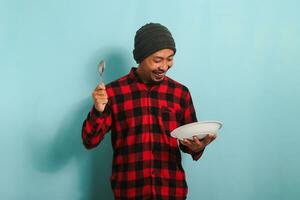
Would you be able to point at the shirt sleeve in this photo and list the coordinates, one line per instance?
(95, 126)
(189, 116)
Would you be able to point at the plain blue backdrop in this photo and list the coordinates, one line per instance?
(240, 60)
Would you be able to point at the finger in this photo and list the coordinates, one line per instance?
(186, 142)
(101, 101)
(198, 144)
(100, 86)
(206, 140)
(197, 141)
(213, 135)
(182, 142)
(191, 140)
(209, 138)
(100, 94)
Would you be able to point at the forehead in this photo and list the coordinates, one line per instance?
(164, 53)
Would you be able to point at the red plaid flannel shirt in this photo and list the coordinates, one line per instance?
(146, 159)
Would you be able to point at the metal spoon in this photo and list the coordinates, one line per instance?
(101, 68)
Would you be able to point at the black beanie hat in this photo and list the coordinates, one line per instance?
(150, 38)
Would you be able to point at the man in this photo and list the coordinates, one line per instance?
(141, 109)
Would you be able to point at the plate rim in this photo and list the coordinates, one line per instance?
(198, 122)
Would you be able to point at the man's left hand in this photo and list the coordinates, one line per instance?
(197, 145)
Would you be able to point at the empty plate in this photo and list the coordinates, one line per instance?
(199, 129)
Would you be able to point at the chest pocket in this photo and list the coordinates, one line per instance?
(170, 118)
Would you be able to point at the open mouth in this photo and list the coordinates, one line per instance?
(159, 74)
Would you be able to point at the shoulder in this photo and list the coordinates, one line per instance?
(120, 82)
(180, 91)
(177, 85)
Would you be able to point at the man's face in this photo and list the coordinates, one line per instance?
(153, 68)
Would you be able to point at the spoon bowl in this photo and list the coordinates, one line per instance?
(101, 67)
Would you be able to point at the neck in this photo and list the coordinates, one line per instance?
(141, 75)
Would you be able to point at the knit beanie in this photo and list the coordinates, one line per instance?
(150, 38)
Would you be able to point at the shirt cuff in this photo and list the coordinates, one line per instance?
(95, 112)
(195, 155)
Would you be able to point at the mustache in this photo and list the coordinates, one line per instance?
(159, 71)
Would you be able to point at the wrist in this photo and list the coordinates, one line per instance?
(96, 111)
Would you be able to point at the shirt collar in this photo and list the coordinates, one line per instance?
(134, 76)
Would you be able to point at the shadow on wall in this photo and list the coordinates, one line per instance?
(94, 166)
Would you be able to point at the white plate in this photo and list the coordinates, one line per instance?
(199, 129)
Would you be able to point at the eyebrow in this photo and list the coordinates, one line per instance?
(163, 57)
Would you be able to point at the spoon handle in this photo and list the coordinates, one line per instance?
(101, 79)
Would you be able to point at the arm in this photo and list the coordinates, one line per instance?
(189, 116)
(96, 125)
(195, 155)
(99, 120)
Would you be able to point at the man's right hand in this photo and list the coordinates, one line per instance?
(100, 97)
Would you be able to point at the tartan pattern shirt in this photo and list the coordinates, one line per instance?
(146, 159)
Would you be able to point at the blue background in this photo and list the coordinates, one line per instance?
(240, 60)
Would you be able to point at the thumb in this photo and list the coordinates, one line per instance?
(100, 86)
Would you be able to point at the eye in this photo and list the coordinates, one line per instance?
(157, 60)
(170, 59)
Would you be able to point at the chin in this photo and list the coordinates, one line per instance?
(157, 80)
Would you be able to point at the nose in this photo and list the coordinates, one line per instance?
(164, 66)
